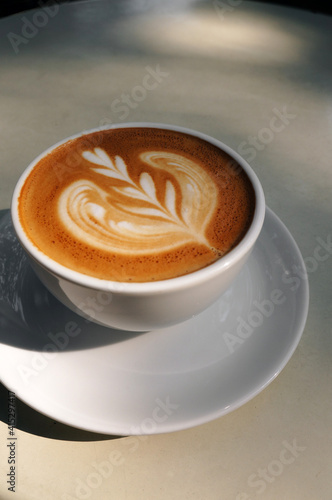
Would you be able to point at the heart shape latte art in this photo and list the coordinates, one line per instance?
(133, 216)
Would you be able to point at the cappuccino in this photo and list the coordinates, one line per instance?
(136, 204)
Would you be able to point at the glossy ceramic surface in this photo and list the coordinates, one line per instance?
(122, 383)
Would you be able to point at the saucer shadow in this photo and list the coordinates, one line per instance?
(31, 421)
(30, 316)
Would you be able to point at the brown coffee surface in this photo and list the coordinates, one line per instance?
(136, 204)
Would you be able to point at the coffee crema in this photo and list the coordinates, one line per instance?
(136, 204)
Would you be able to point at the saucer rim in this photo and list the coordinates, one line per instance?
(115, 429)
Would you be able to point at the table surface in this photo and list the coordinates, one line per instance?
(227, 69)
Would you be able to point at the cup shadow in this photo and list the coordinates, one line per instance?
(32, 422)
(30, 316)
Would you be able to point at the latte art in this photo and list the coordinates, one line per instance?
(129, 217)
(136, 204)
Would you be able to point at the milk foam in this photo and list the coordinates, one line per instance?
(136, 204)
(134, 217)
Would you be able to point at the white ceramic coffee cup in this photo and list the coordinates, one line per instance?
(148, 305)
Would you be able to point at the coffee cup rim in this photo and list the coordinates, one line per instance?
(158, 286)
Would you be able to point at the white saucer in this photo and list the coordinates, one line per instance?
(125, 383)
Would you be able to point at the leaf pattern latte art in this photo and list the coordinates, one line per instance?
(131, 217)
